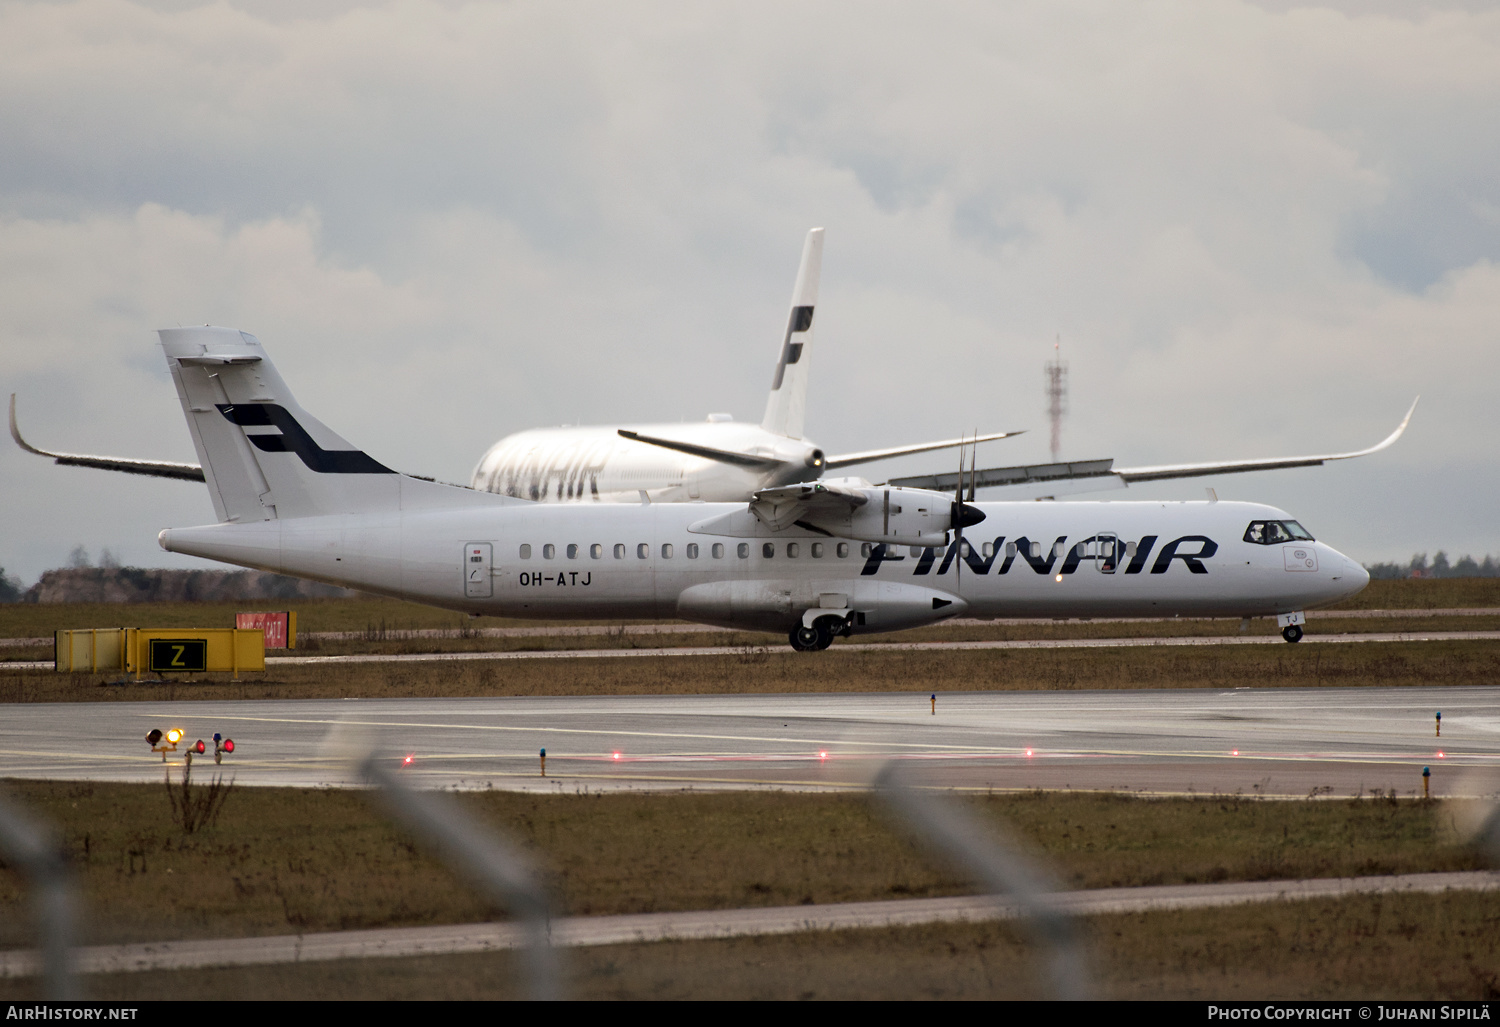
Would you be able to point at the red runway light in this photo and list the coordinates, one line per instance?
(822, 755)
(229, 745)
(1028, 752)
(1235, 753)
(1441, 756)
(617, 755)
(411, 758)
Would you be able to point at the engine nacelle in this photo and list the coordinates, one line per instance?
(897, 516)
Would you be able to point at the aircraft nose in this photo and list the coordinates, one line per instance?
(1351, 577)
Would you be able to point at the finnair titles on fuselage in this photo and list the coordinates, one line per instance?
(816, 560)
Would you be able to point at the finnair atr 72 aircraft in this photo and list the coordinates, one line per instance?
(816, 560)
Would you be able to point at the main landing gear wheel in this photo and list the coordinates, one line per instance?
(1292, 632)
(815, 638)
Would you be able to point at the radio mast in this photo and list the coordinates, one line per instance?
(1057, 395)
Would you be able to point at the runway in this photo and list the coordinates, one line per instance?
(849, 647)
(1270, 742)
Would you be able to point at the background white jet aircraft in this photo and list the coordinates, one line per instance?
(718, 460)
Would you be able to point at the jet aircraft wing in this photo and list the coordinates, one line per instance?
(155, 468)
(1109, 476)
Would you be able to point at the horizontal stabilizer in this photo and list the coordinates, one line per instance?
(849, 459)
(154, 468)
(724, 456)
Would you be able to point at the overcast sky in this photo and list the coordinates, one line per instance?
(1260, 229)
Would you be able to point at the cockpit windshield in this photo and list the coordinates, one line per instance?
(1269, 533)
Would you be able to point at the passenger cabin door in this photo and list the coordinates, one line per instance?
(477, 563)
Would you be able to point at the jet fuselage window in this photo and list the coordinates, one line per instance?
(549, 551)
(792, 549)
(865, 549)
(525, 550)
(768, 549)
(718, 550)
(817, 550)
(843, 550)
(596, 551)
(744, 550)
(572, 551)
(666, 550)
(619, 550)
(692, 550)
(643, 551)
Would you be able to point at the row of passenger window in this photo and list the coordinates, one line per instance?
(793, 550)
(816, 550)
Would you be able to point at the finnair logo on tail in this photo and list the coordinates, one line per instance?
(294, 439)
(791, 352)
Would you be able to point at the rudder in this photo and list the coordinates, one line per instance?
(263, 456)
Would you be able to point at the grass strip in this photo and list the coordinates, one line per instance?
(286, 860)
(1364, 948)
(754, 671)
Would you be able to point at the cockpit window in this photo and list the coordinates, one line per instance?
(1269, 533)
(1297, 531)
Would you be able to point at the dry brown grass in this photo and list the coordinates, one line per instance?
(285, 860)
(1444, 947)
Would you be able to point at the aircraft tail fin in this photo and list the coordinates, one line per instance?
(786, 407)
(263, 456)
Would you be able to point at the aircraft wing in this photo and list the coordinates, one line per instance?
(784, 506)
(155, 468)
(849, 459)
(1106, 475)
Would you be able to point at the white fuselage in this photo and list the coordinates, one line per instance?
(596, 464)
(485, 555)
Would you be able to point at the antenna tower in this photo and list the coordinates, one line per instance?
(1057, 395)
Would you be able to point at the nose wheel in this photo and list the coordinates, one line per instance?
(1292, 632)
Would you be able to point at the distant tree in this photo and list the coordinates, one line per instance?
(107, 559)
(79, 557)
(10, 588)
(1418, 567)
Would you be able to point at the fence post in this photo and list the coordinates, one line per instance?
(32, 848)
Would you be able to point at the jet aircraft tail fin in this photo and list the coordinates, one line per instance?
(263, 456)
(786, 406)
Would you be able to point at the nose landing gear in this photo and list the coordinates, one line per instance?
(1291, 625)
